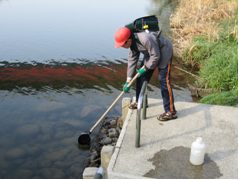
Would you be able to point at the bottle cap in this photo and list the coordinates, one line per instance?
(199, 140)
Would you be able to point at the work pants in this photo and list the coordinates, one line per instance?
(164, 80)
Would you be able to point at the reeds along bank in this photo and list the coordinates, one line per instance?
(192, 18)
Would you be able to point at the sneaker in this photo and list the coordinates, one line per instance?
(167, 116)
(135, 105)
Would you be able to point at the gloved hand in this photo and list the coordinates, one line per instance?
(125, 88)
(141, 71)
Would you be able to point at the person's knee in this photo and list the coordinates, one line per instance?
(162, 81)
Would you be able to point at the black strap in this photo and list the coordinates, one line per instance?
(159, 32)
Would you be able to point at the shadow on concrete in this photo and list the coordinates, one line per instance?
(218, 155)
(184, 113)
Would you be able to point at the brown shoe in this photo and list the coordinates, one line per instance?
(133, 105)
(167, 116)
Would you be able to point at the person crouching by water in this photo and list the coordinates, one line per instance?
(157, 52)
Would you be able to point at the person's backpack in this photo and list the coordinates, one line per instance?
(147, 23)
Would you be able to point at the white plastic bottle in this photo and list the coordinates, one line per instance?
(197, 152)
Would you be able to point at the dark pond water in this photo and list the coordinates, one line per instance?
(59, 72)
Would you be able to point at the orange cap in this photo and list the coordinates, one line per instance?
(121, 35)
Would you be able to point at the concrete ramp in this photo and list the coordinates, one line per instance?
(165, 146)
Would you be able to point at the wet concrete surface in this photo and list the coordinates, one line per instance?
(164, 150)
(174, 164)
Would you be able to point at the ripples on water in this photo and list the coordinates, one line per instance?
(59, 72)
(44, 107)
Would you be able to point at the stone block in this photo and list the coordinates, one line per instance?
(89, 172)
(106, 154)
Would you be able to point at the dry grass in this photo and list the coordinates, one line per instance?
(199, 17)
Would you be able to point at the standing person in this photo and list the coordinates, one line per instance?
(157, 52)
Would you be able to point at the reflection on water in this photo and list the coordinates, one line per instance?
(50, 105)
(63, 76)
(80, 77)
(58, 29)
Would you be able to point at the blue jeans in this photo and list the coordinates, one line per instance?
(165, 82)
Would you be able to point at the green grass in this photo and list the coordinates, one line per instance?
(229, 98)
(220, 71)
(201, 50)
(219, 61)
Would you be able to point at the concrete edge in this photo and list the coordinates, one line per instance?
(89, 173)
(119, 142)
(122, 133)
(110, 172)
(113, 175)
